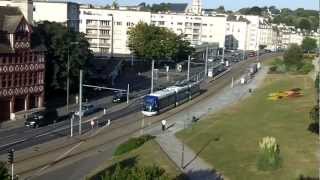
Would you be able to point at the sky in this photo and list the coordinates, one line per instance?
(228, 4)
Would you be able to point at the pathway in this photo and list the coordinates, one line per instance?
(193, 166)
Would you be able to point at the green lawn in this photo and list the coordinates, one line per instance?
(147, 155)
(229, 139)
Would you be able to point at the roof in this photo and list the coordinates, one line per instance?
(9, 18)
(162, 93)
(177, 7)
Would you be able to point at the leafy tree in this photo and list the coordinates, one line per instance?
(221, 9)
(58, 41)
(293, 57)
(309, 44)
(255, 10)
(262, 46)
(114, 5)
(304, 23)
(152, 42)
(4, 174)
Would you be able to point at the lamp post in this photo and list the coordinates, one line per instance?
(68, 74)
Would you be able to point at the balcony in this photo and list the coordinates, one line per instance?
(105, 27)
(104, 35)
(103, 44)
(92, 25)
(91, 35)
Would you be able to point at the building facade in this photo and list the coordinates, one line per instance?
(236, 34)
(106, 29)
(66, 13)
(22, 68)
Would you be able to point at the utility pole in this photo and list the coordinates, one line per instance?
(11, 160)
(68, 79)
(206, 63)
(222, 54)
(80, 101)
(188, 76)
(128, 89)
(71, 126)
(152, 69)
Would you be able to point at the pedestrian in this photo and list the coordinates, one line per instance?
(92, 124)
(163, 123)
(109, 122)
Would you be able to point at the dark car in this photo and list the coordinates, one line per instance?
(119, 97)
(44, 118)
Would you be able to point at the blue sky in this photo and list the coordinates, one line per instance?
(228, 4)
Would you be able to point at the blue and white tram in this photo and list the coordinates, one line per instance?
(170, 97)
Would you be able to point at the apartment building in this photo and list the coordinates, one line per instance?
(106, 29)
(63, 12)
(236, 34)
(198, 29)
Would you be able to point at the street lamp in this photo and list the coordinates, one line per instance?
(68, 74)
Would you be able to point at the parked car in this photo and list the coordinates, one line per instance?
(119, 97)
(87, 109)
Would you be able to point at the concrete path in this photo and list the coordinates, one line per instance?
(190, 162)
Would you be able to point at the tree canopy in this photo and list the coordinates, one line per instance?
(61, 42)
(293, 57)
(152, 42)
(309, 44)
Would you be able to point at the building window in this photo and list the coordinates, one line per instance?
(104, 32)
(180, 23)
(105, 23)
(119, 23)
(204, 24)
(161, 23)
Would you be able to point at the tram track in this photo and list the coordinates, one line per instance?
(118, 125)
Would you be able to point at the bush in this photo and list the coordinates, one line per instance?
(277, 66)
(4, 175)
(306, 68)
(136, 173)
(269, 155)
(131, 144)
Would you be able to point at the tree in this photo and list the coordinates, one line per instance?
(58, 41)
(262, 46)
(114, 5)
(4, 174)
(152, 42)
(304, 23)
(221, 9)
(293, 57)
(309, 44)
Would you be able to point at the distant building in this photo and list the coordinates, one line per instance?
(63, 12)
(22, 68)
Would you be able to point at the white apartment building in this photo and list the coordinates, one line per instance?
(236, 34)
(25, 7)
(63, 12)
(198, 29)
(106, 29)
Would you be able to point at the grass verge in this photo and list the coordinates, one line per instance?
(228, 140)
(148, 154)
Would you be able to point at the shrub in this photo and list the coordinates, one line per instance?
(306, 68)
(131, 144)
(4, 175)
(136, 173)
(269, 155)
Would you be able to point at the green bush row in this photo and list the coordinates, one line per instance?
(131, 144)
(135, 173)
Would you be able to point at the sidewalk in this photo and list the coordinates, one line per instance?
(190, 162)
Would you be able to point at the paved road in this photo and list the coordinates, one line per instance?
(88, 161)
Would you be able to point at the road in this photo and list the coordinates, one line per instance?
(124, 125)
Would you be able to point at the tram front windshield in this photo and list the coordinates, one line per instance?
(150, 104)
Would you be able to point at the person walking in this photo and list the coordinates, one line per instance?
(163, 123)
